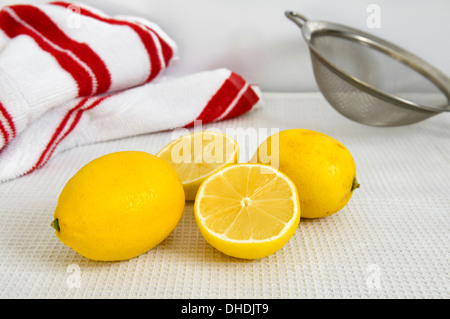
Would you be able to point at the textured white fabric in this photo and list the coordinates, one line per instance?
(390, 241)
(54, 55)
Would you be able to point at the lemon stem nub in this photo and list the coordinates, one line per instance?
(355, 184)
(55, 224)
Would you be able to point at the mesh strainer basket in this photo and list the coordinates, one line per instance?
(370, 80)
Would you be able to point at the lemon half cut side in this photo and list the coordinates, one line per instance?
(197, 155)
(248, 210)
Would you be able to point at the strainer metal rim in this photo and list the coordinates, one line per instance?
(440, 80)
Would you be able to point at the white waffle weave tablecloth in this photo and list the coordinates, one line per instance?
(390, 241)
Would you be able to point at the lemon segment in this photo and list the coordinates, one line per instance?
(247, 210)
(197, 155)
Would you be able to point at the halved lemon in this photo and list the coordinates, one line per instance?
(247, 210)
(197, 155)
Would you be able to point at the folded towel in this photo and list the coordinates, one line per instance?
(46, 59)
(63, 86)
(206, 96)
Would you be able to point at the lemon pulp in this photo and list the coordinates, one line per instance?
(247, 210)
(197, 155)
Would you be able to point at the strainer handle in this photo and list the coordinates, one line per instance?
(296, 17)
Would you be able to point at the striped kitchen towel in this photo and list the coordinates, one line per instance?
(70, 75)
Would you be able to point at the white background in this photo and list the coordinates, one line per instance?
(255, 39)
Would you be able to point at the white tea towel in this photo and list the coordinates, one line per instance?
(48, 58)
(62, 85)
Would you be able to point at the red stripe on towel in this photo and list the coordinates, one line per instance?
(221, 100)
(167, 50)
(45, 26)
(143, 33)
(59, 129)
(3, 128)
(244, 105)
(12, 27)
(5, 136)
(76, 112)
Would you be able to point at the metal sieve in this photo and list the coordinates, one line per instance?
(370, 80)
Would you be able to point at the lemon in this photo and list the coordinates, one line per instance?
(197, 155)
(321, 167)
(247, 211)
(119, 206)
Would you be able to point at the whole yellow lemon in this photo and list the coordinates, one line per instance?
(119, 206)
(321, 167)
